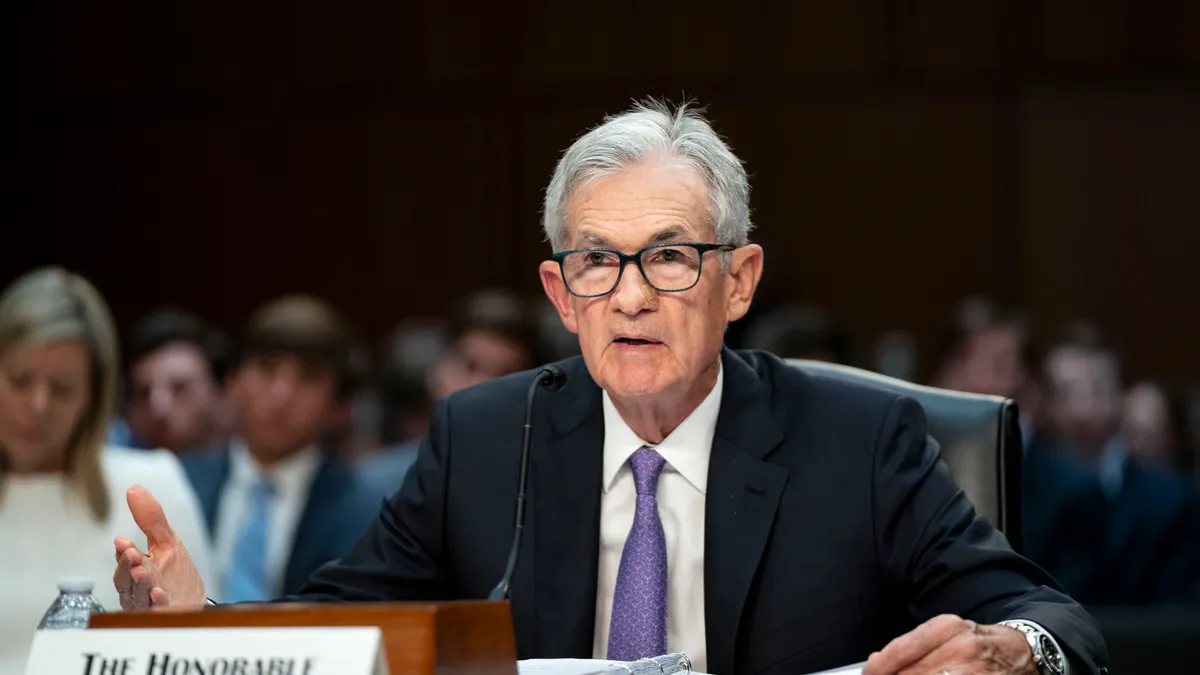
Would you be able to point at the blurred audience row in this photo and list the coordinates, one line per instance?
(1109, 493)
(271, 452)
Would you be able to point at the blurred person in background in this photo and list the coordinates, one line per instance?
(352, 429)
(1191, 416)
(278, 504)
(894, 353)
(1156, 427)
(409, 357)
(1153, 533)
(991, 350)
(406, 405)
(62, 492)
(492, 334)
(175, 376)
(1085, 384)
(559, 342)
(799, 332)
(987, 349)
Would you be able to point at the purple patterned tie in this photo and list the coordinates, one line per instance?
(639, 616)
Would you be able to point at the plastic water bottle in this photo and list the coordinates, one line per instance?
(73, 607)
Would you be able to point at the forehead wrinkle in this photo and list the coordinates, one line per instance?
(667, 234)
(648, 197)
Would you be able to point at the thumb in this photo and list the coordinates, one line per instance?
(149, 516)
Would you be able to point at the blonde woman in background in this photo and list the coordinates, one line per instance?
(62, 491)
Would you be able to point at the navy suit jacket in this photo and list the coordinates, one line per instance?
(339, 509)
(1065, 515)
(831, 526)
(1154, 538)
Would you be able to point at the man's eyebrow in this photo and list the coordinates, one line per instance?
(667, 234)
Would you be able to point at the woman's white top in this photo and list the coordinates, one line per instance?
(47, 532)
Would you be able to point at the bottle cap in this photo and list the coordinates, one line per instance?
(75, 585)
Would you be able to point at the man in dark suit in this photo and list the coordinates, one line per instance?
(989, 349)
(1064, 517)
(1152, 528)
(684, 497)
(278, 506)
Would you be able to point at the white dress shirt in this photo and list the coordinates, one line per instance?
(292, 478)
(681, 490)
(49, 532)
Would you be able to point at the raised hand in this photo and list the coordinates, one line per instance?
(163, 576)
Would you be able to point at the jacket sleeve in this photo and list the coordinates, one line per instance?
(947, 560)
(401, 556)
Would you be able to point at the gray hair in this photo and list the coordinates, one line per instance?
(653, 128)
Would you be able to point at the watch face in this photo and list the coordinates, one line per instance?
(1052, 659)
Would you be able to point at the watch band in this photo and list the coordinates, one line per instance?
(1047, 655)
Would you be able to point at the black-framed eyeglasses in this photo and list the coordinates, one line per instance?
(669, 268)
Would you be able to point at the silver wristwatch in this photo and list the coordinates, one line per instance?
(1047, 655)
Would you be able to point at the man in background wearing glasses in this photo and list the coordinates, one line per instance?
(682, 496)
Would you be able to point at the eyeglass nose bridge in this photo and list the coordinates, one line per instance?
(634, 259)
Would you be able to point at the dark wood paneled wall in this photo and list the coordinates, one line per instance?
(391, 156)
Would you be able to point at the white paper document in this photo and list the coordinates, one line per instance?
(590, 666)
(855, 669)
(566, 666)
(561, 666)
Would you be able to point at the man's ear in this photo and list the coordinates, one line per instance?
(745, 271)
(556, 291)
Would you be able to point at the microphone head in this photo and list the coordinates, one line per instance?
(552, 377)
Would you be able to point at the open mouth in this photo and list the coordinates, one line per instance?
(636, 342)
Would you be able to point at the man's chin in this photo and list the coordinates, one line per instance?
(637, 382)
(275, 447)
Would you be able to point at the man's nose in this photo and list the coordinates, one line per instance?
(632, 294)
(39, 398)
(282, 387)
(160, 401)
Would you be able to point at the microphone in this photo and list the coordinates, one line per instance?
(552, 378)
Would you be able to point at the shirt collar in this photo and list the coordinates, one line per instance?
(292, 474)
(686, 449)
(1112, 465)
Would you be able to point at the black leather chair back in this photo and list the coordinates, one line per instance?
(979, 437)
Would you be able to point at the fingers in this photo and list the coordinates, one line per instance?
(132, 576)
(915, 645)
(126, 555)
(149, 516)
(158, 598)
(122, 543)
(963, 653)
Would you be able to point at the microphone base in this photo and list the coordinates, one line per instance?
(500, 592)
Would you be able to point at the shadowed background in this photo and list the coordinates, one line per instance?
(391, 156)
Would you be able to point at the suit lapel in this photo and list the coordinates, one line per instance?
(209, 476)
(310, 535)
(742, 497)
(566, 515)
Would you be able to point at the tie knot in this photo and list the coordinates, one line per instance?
(264, 488)
(646, 464)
